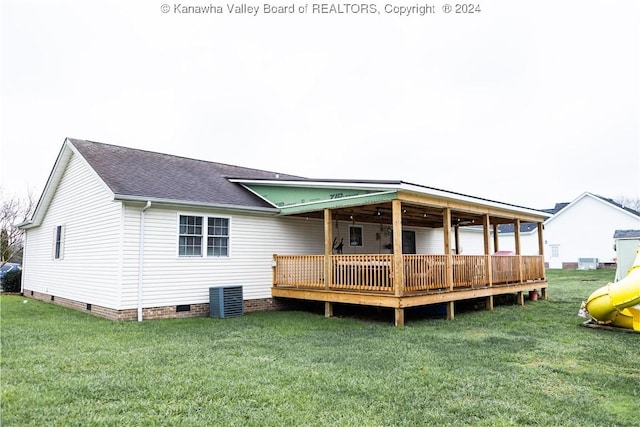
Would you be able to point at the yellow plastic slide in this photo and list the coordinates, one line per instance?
(618, 304)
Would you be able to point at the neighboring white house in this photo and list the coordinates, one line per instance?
(128, 233)
(581, 229)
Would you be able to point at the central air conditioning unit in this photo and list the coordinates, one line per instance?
(225, 301)
(587, 263)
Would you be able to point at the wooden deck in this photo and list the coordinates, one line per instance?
(425, 279)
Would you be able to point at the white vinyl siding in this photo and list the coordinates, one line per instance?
(87, 268)
(170, 279)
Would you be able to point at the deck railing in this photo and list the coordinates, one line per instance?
(362, 272)
(300, 271)
(422, 273)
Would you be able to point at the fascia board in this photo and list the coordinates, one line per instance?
(50, 187)
(594, 197)
(189, 204)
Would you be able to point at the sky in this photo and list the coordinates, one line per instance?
(529, 103)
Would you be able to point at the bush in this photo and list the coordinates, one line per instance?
(12, 281)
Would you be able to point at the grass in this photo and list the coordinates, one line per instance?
(531, 365)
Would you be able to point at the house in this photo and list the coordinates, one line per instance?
(626, 244)
(578, 232)
(130, 234)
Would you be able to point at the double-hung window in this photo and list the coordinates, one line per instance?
(218, 237)
(196, 231)
(190, 240)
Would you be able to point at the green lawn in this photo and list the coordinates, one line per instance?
(531, 365)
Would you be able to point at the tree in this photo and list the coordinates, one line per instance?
(629, 202)
(13, 210)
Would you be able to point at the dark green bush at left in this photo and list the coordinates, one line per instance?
(12, 281)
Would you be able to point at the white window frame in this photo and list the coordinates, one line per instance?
(218, 236)
(204, 236)
(190, 235)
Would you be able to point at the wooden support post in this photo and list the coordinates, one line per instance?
(543, 293)
(486, 223)
(451, 314)
(274, 272)
(540, 238)
(446, 225)
(398, 263)
(496, 241)
(399, 316)
(328, 248)
(516, 233)
(541, 248)
(521, 298)
(490, 303)
(328, 309)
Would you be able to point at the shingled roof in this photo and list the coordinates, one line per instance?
(143, 174)
(626, 234)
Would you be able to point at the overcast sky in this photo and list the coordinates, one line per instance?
(523, 102)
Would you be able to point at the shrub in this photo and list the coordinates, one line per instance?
(12, 281)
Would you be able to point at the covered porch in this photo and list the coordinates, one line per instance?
(386, 264)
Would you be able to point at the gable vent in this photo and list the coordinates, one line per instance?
(225, 301)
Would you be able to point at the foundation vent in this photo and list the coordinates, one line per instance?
(587, 263)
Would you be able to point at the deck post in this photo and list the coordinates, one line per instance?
(520, 298)
(496, 240)
(486, 223)
(328, 248)
(516, 233)
(328, 309)
(451, 310)
(274, 265)
(399, 316)
(446, 225)
(489, 303)
(398, 264)
(541, 248)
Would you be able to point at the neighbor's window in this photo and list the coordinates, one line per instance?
(355, 235)
(191, 236)
(190, 239)
(218, 237)
(58, 242)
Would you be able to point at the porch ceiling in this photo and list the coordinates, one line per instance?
(412, 215)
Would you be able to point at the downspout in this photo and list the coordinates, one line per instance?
(141, 260)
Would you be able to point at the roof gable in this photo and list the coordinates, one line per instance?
(604, 200)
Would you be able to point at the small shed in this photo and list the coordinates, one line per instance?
(626, 244)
